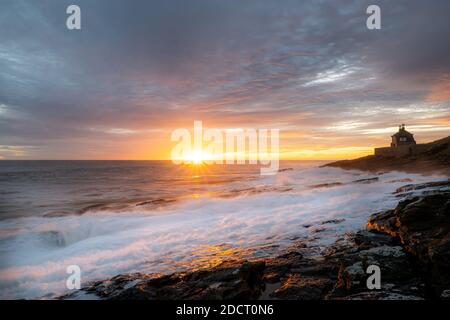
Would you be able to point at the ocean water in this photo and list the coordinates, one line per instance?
(113, 217)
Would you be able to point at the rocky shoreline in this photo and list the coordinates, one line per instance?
(410, 244)
(435, 158)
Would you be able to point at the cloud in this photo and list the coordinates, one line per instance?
(440, 91)
(156, 65)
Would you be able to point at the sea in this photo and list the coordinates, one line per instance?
(115, 217)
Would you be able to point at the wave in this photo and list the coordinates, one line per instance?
(247, 221)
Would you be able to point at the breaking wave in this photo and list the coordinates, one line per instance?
(163, 234)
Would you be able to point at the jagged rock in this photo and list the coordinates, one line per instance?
(413, 187)
(332, 221)
(242, 281)
(384, 251)
(366, 239)
(385, 222)
(381, 295)
(373, 248)
(297, 287)
(327, 185)
(368, 180)
(351, 276)
(422, 224)
(285, 169)
(271, 277)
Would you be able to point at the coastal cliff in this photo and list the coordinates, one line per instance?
(435, 157)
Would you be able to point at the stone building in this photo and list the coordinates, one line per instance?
(402, 138)
(403, 144)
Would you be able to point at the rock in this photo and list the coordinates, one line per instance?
(290, 254)
(285, 169)
(297, 287)
(156, 202)
(351, 276)
(385, 222)
(229, 281)
(422, 224)
(327, 185)
(372, 248)
(381, 295)
(251, 273)
(368, 180)
(271, 277)
(365, 239)
(413, 187)
(392, 260)
(332, 221)
(384, 251)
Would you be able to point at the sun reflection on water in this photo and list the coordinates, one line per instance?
(210, 256)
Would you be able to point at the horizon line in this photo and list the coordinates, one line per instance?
(150, 160)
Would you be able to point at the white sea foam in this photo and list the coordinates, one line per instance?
(35, 251)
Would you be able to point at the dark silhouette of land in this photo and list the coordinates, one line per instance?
(435, 158)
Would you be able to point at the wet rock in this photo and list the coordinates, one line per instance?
(351, 276)
(297, 287)
(413, 187)
(272, 277)
(290, 254)
(384, 251)
(365, 239)
(327, 185)
(332, 221)
(381, 295)
(318, 230)
(156, 202)
(285, 169)
(366, 248)
(243, 281)
(422, 224)
(366, 181)
(385, 222)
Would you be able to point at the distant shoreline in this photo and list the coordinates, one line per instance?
(433, 160)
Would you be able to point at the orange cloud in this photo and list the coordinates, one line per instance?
(440, 91)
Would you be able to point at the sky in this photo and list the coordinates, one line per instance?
(137, 70)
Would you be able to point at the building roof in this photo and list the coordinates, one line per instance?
(402, 132)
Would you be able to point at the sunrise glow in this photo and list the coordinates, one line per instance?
(224, 150)
(328, 102)
(198, 157)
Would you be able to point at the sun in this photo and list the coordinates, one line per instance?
(197, 157)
